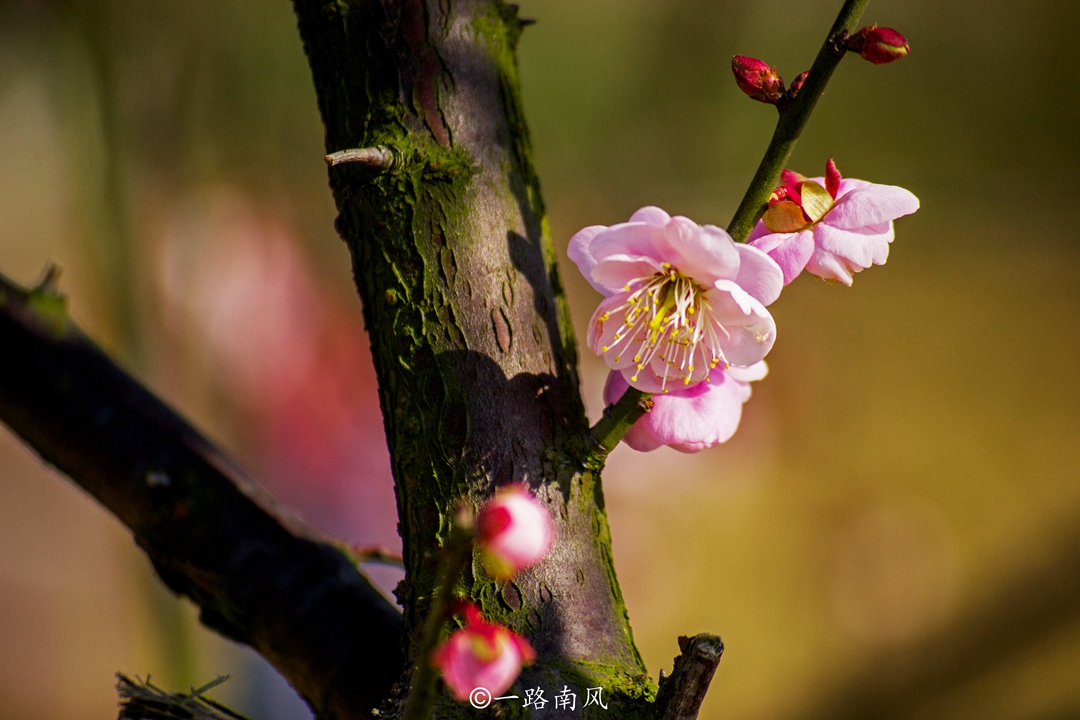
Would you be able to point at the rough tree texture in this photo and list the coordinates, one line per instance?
(469, 329)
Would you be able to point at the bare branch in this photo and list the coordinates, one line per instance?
(213, 534)
(681, 694)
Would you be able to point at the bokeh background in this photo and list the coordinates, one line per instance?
(892, 533)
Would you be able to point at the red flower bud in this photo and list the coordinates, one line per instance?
(757, 79)
(878, 45)
(797, 83)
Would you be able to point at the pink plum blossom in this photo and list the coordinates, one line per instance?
(832, 227)
(481, 654)
(513, 531)
(681, 298)
(691, 419)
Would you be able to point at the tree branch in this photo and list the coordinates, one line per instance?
(681, 694)
(213, 534)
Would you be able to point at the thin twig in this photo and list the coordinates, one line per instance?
(377, 158)
(791, 123)
(142, 700)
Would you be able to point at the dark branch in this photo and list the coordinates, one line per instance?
(258, 574)
(681, 694)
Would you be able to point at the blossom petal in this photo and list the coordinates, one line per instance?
(597, 327)
(863, 247)
(691, 423)
(651, 215)
(748, 331)
(790, 251)
(692, 419)
(704, 252)
(614, 272)
(831, 267)
(638, 438)
(871, 205)
(849, 184)
(651, 378)
(759, 274)
(601, 333)
(754, 372)
(759, 231)
(579, 252)
(630, 238)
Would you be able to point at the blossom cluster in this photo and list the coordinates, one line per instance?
(685, 313)
(513, 532)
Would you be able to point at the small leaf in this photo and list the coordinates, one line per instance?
(785, 217)
(816, 200)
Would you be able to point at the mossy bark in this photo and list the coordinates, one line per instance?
(469, 328)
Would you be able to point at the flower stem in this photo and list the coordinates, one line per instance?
(618, 419)
(791, 123)
(456, 554)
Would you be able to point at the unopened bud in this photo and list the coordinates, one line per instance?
(878, 45)
(757, 79)
(797, 83)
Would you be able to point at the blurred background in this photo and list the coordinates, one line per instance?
(894, 531)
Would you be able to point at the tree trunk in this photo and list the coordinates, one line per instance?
(470, 332)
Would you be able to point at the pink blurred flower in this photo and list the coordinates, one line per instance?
(290, 352)
(833, 227)
(693, 419)
(481, 654)
(513, 531)
(681, 298)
